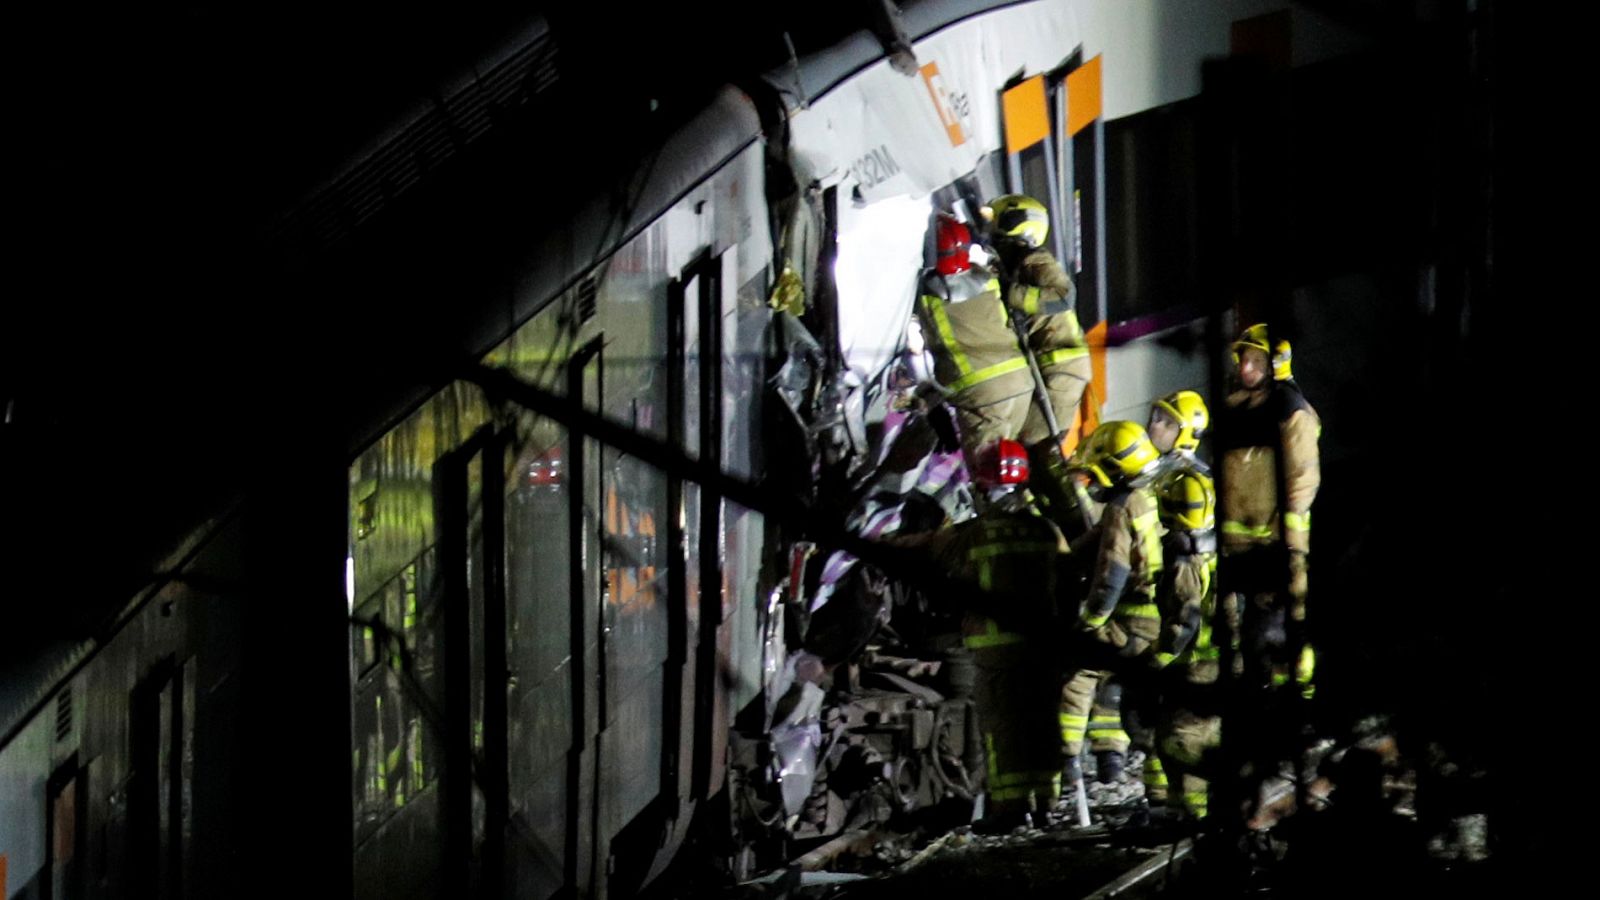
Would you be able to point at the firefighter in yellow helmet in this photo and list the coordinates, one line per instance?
(1039, 290)
(976, 357)
(1119, 611)
(1267, 434)
(1012, 555)
(1189, 731)
(1177, 421)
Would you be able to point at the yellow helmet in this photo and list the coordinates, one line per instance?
(1189, 409)
(1188, 501)
(1253, 338)
(1117, 453)
(1281, 354)
(1020, 219)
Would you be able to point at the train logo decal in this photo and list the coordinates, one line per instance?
(952, 107)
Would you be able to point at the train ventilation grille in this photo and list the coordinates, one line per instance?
(488, 99)
(64, 715)
(588, 299)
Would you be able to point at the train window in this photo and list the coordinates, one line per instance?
(1152, 220)
(1030, 149)
(744, 375)
(691, 366)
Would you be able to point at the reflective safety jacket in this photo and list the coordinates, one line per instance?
(1042, 291)
(974, 347)
(1127, 570)
(1253, 429)
(1013, 558)
(1188, 601)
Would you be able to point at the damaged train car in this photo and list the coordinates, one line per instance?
(597, 602)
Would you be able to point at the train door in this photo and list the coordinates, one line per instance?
(1054, 145)
(470, 514)
(430, 662)
(704, 375)
(544, 521)
(616, 595)
(66, 795)
(1055, 150)
(158, 788)
(555, 635)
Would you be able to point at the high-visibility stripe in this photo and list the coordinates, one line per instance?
(958, 356)
(417, 775)
(1297, 521)
(1307, 665)
(1064, 354)
(1034, 778)
(989, 551)
(1147, 526)
(1030, 301)
(1138, 611)
(999, 639)
(986, 373)
(1039, 783)
(1242, 530)
(947, 334)
(1014, 785)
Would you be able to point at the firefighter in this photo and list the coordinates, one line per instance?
(1119, 611)
(1176, 425)
(976, 355)
(1267, 431)
(1189, 730)
(1011, 555)
(1039, 290)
